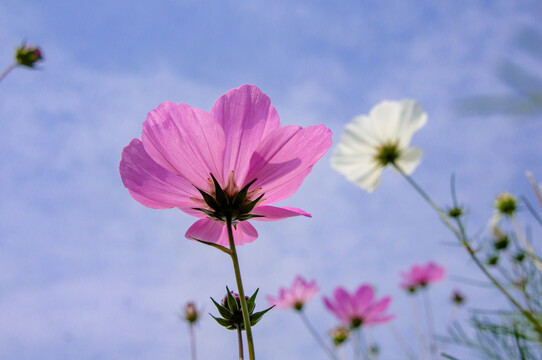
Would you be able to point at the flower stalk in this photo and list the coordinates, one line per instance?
(192, 342)
(8, 70)
(244, 308)
(462, 237)
(317, 337)
(240, 342)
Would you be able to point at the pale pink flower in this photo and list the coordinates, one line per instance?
(421, 276)
(240, 143)
(295, 297)
(360, 308)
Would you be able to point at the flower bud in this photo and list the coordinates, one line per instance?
(191, 313)
(519, 257)
(506, 204)
(232, 313)
(458, 298)
(26, 55)
(339, 335)
(493, 260)
(501, 243)
(455, 212)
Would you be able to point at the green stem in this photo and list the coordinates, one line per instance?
(430, 324)
(8, 70)
(240, 342)
(462, 237)
(244, 308)
(317, 337)
(192, 342)
(426, 197)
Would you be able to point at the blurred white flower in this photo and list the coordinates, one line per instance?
(372, 142)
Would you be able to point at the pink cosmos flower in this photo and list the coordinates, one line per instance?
(233, 161)
(420, 276)
(295, 297)
(360, 308)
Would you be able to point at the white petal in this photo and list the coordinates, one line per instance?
(385, 120)
(409, 160)
(413, 117)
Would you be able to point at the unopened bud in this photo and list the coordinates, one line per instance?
(339, 335)
(26, 55)
(506, 204)
(191, 313)
(458, 298)
(455, 212)
(493, 260)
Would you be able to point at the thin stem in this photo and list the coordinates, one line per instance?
(8, 70)
(358, 351)
(408, 352)
(365, 345)
(244, 308)
(341, 353)
(462, 237)
(526, 244)
(192, 342)
(240, 342)
(418, 326)
(536, 189)
(426, 197)
(316, 336)
(430, 323)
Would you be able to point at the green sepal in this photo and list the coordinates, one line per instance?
(241, 196)
(224, 311)
(209, 200)
(248, 217)
(209, 213)
(224, 323)
(248, 207)
(251, 303)
(216, 246)
(221, 197)
(256, 317)
(232, 303)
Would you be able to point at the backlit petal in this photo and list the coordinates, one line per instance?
(274, 213)
(247, 116)
(186, 141)
(151, 184)
(285, 157)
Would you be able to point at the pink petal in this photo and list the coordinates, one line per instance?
(345, 306)
(381, 305)
(216, 232)
(151, 184)
(247, 116)
(378, 319)
(274, 213)
(186, 141)
(285, 157)
(362, 298)
(206, 230)
(244, 233)
(336, 309)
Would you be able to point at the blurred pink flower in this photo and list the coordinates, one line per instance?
(241, 144)
(421, 276)
(295, 297)
(360, 308)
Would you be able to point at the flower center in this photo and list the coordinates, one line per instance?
(387, 153)
(229, 203)
(356, 323)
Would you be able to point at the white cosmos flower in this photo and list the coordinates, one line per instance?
(372, 142)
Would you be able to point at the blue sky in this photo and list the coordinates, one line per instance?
(87, 272)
